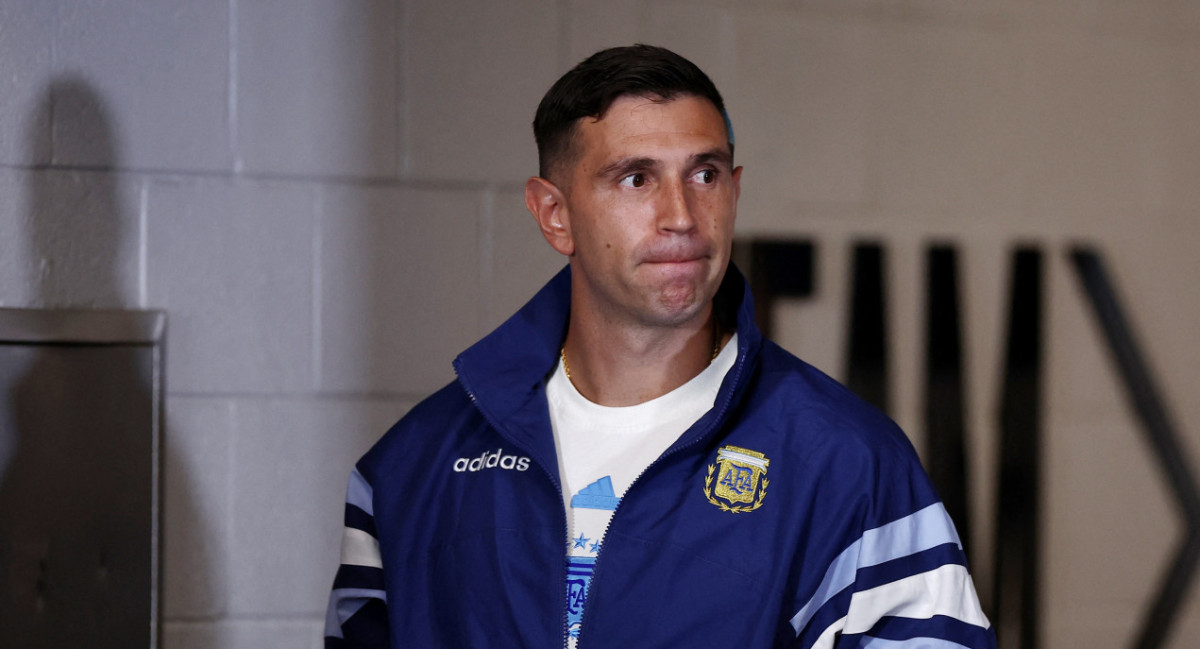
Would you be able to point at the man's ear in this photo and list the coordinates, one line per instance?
(737, 183)
(548, 206)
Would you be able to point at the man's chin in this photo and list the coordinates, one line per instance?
(679, 305)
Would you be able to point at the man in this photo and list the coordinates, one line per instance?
(626, 462)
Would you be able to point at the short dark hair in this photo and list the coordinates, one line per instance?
(591, 87)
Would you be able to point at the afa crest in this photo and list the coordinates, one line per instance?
(740, 480)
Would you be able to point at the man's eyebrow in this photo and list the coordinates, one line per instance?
(626, 165)
(632, 164)
(719, 156)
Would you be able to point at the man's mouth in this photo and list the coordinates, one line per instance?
(677, 256)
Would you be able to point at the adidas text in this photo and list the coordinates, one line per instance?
(491, 460)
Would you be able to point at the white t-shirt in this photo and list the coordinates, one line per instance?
(603, 449)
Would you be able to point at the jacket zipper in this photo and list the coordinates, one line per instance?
(557, 488)
(737, 368)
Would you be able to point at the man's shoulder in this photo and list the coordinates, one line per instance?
(835, 439)
(815, 409)
(783, 376)
(423, 428)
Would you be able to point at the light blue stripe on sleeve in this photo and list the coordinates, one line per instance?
(359, 493)
(919, 531)
(344, 603)
(914, 643)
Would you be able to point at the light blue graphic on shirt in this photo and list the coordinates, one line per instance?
(600, 498)
(598, 495)
(579, 575)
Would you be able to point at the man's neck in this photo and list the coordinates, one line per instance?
(616, 365)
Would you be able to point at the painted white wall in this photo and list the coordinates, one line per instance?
(325, 197)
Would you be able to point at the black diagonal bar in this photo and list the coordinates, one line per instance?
(1160, 432)
(945, 429)
(1018, 555)
(866, 365)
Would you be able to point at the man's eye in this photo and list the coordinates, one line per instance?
(706, 176)
(634, 180)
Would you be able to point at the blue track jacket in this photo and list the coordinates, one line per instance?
(792, 514)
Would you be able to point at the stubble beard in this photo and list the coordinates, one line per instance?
(680, 303)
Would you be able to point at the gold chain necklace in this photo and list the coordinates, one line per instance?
(562, 353)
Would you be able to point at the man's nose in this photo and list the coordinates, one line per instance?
(675, 212)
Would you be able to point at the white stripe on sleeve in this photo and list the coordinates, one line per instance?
(943, 591)
(359, 548)
(919, 531)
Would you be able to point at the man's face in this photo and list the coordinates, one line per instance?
(650, 206)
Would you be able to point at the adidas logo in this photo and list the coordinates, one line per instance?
(491, 460)
(598, 495)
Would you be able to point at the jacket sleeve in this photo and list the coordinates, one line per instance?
(357, 615)
(901, 584)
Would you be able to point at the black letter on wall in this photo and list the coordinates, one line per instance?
(866, 367)
(777, 269)
(1016, 605)
(944, 398)
(1162, 437)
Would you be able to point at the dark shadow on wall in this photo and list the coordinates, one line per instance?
(76, 419)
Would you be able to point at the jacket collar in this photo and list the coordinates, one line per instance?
(505, 373)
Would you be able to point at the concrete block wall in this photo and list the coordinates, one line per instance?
(325, 196)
